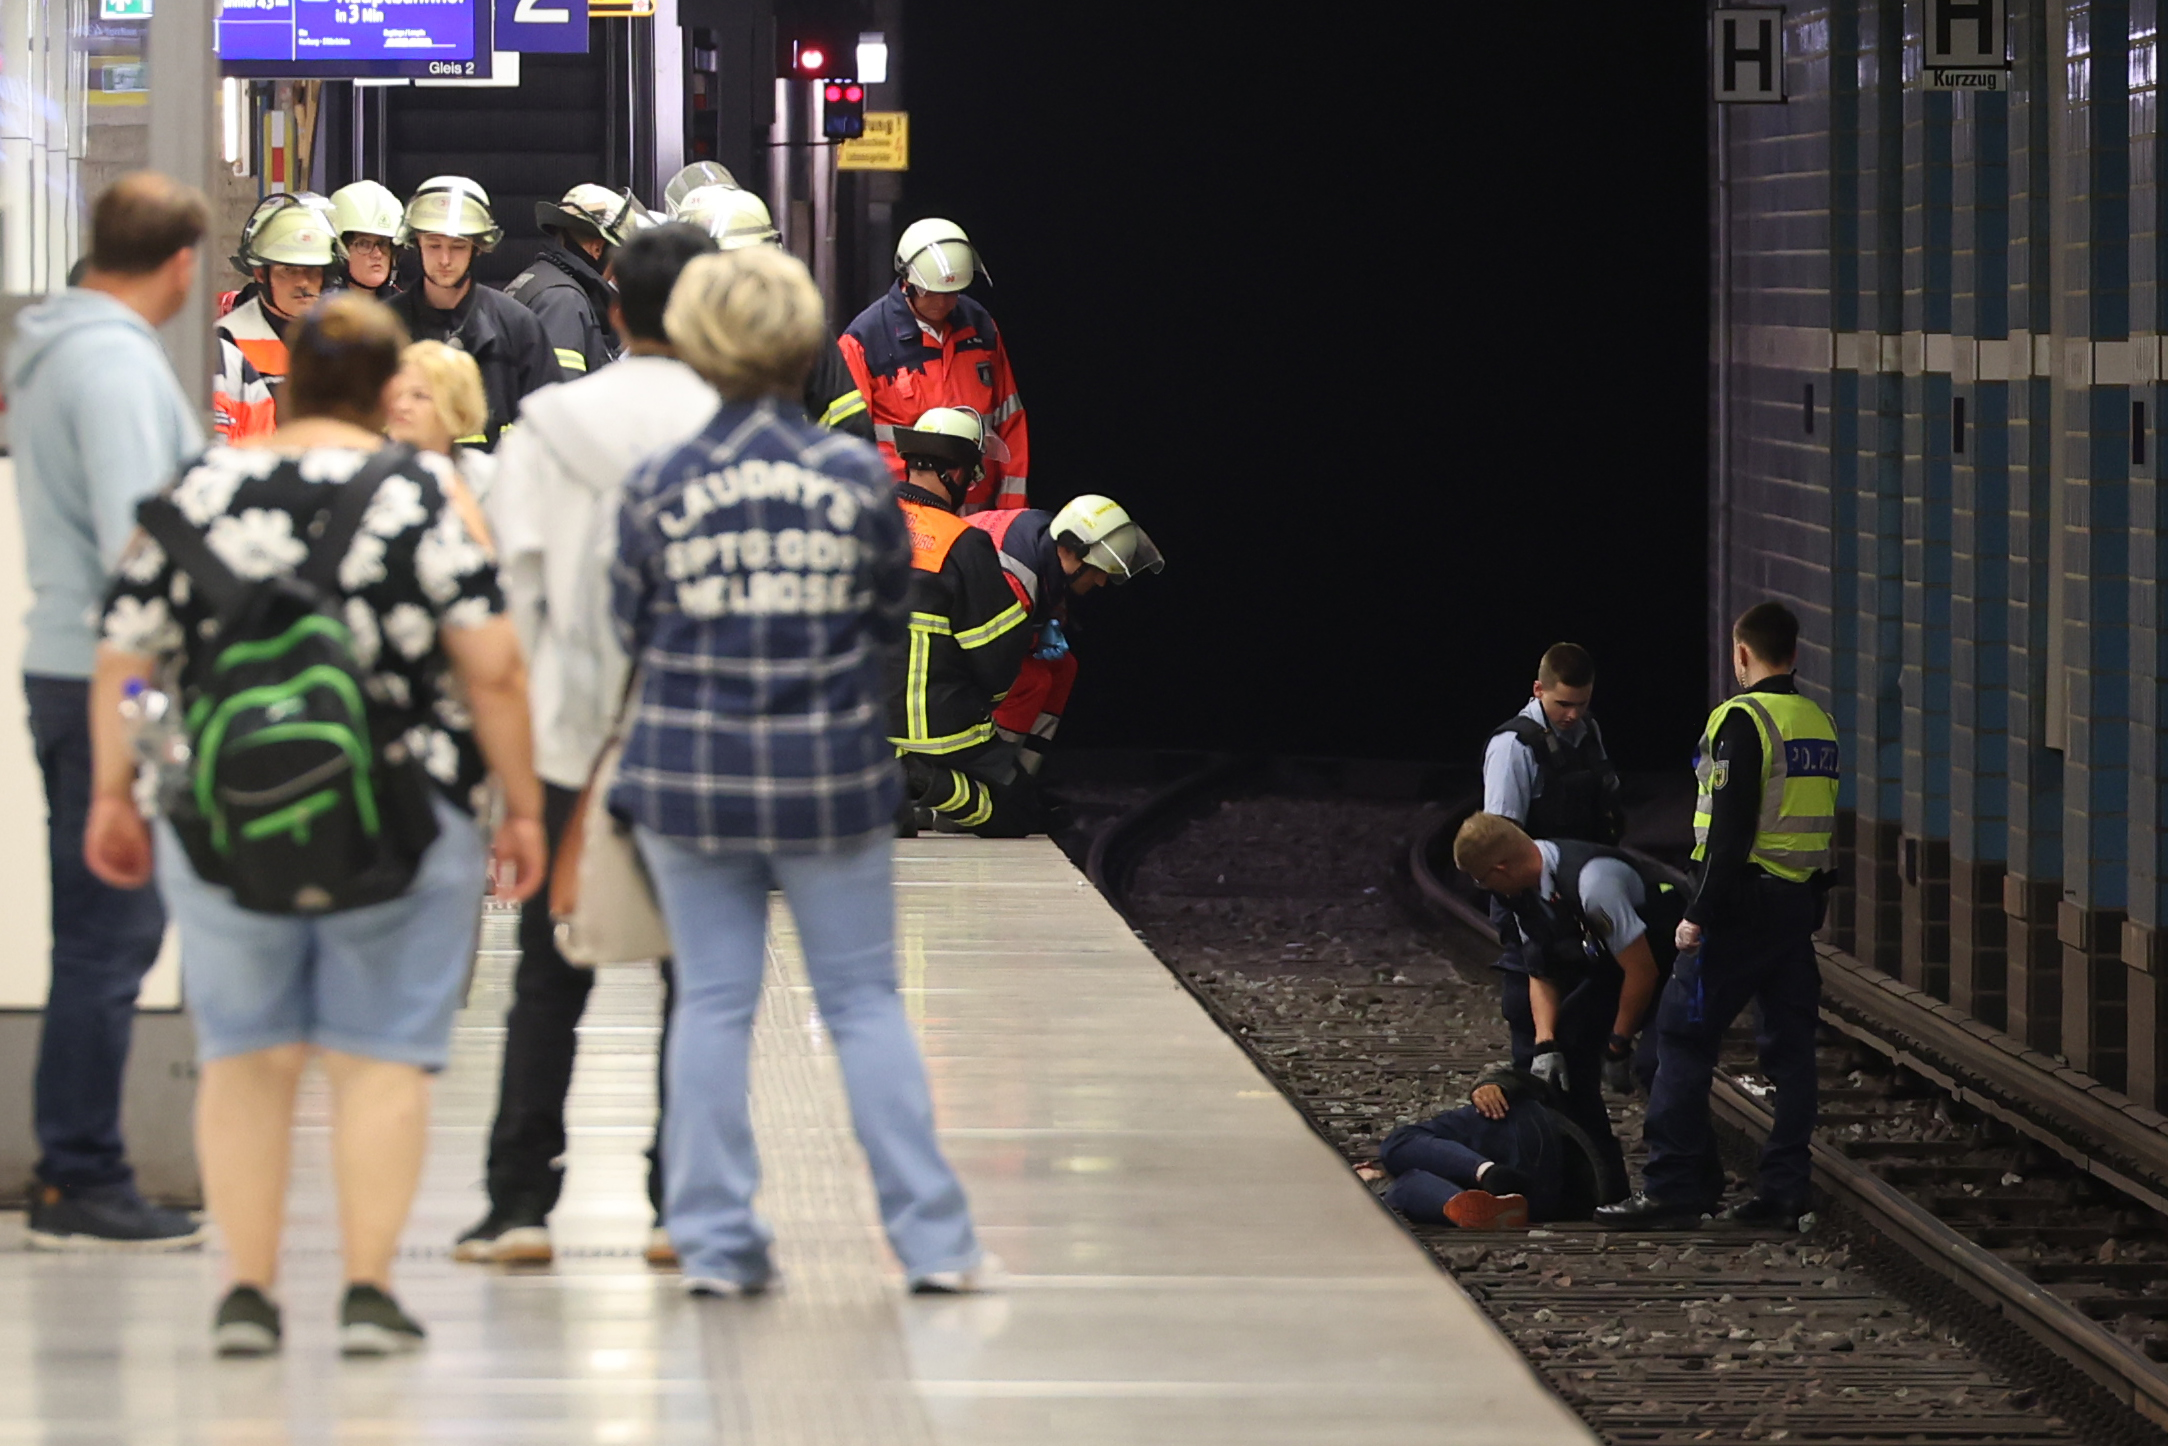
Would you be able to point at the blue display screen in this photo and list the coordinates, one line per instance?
(332, 36)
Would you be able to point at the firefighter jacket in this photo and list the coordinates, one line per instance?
(966, 638)
(503, 337)
(259, 336)
(241, 403)
(572, 301)
(903, 367)
(1024, 536)
(832, 398)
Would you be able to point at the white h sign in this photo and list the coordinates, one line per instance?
(1748, 50)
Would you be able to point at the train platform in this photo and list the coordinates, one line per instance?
(1191, 1264)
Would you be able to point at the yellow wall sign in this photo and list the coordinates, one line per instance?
(886, 145)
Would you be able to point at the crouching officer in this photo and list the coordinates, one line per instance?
(1053, 558)
(967, 636)
(1762, 825)
(1584, 913)
(1545, 768)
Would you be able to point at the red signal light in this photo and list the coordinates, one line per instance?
(812, 59)
(835, 93)
(853, 93)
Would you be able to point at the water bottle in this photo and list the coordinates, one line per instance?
(153, 728)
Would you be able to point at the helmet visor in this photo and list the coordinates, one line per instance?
(942, 266)
(1125, 553)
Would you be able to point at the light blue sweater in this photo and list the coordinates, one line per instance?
(97, 422)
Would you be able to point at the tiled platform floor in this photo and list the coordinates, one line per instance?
(1191, 1264)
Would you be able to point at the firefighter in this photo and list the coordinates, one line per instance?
(564, 287)
(736, 217)
(449, 221)
(967, 636)
(287, 252)
(365, 219)
(1052, 558)
(925, 344)
(1545, 768)
(1764, 823)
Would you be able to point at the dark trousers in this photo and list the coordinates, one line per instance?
(1763, 954)
(527, 1143)
(1428, 1169)
(104, 941)
(1585, 1018)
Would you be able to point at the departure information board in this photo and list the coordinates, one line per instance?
(334, 38)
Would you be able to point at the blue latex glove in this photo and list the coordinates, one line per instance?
(1052, 644)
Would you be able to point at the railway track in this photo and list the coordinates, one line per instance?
(1990, 1268)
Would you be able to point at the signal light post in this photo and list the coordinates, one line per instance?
(815, 108)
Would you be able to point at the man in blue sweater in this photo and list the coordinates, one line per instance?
(97, 421)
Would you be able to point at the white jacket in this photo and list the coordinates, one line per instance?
(553, 506)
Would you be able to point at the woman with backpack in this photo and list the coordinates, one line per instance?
(310, 600)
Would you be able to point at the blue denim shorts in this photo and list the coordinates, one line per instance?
(382, 982)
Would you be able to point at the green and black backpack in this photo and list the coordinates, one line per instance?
(298, 794)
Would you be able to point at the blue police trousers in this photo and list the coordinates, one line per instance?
(1764, 954)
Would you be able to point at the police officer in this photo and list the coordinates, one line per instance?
(1053, 558)
(449, 221)
(564, 287)
(1762, 826)
(967, 635)
(925, 344)
(735, 217)
(365, 217)
(1585, 913)
(1545, 768)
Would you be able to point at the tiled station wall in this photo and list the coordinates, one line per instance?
(1897, 340)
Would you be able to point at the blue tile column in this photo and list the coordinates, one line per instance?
(1980, 563)
(2032, 889)
(2096, 534)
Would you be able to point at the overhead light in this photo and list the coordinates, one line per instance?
(873, 57)
(232, 110)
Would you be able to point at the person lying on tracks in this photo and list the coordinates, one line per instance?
(1583, 912)
(1508, 1156)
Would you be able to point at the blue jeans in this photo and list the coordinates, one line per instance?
(845, 908)
(104, 941)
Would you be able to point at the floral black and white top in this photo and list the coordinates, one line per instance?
(413, 567)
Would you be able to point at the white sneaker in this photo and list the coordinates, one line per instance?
(715, 1287)
(988, 1274)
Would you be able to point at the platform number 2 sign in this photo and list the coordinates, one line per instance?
(542, 26)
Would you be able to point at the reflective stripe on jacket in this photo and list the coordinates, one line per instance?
(250, 328)
(901, 371)
(1798, 820)
(572, 301)
(1024, 536)
(965, 639)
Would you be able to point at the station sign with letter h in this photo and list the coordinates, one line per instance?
(1748, 50)
(1962, 44)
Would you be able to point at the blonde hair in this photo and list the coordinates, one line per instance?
(455, 385)
(1485, 841)
(749, 321)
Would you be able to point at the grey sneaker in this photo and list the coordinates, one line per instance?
(106, 1217)
(372, 1324)
(247, 1323)
(988, 1274)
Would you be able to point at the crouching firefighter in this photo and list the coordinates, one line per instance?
(968, 635)
(1053, 558)
(1591, 920)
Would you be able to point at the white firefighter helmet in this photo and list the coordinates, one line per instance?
(591, 210)
(450, 206)
(1098, 530)
(733, 217)
(947, 437)
(936, 255)
(696, 177)
(286, 230)
(364, 209)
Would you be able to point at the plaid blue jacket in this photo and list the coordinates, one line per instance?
(761, 574)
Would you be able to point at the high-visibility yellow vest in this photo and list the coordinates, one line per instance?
(1798, 783)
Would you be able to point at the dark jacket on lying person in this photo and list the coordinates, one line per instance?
(1552, 1160)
